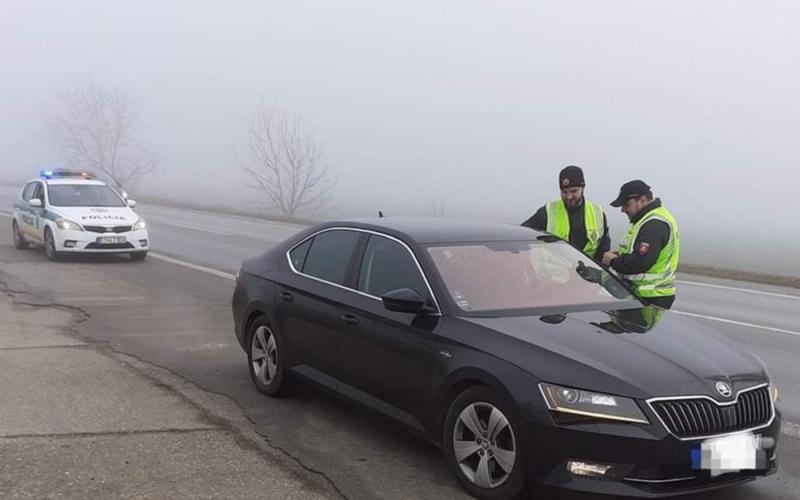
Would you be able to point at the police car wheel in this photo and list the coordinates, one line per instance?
(19, 238)
(138, 256)
(482, 444)
(50, 245)
(265, 359)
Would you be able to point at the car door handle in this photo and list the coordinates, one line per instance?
(286, 296)
(349, 319)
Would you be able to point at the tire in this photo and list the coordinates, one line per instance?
(265, 355)
(138, 256)
(493, 468)
(50, 245)
(19, 238)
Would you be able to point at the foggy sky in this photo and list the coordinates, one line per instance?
(474, 104)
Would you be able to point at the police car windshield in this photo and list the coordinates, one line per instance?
(511, 275)
(83, 195)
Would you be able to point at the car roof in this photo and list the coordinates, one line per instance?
(427, 230)
(68, 180)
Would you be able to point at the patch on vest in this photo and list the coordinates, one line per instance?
(643, 248)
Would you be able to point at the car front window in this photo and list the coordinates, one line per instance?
(83, 195)
(523, 275)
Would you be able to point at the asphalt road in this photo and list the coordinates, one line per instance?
(178, 317)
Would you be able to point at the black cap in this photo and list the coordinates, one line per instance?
(632, 189)
(571, 177)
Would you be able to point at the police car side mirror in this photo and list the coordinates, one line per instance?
(131, 203)
(35, 203)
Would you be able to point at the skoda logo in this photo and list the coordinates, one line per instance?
(724, 389)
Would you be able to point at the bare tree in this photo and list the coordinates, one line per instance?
(438, 209)
(284, 164)
(95, 128)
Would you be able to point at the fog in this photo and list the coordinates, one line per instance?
(473, 105)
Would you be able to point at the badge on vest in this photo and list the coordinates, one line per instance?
(643, 248)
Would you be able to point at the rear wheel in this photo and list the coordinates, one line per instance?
(265, 358)
(138, 256)
(50, 245)
(19, 238)
(482, 445)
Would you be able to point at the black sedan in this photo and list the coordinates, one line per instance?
(517, 354)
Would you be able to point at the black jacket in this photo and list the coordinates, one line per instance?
(652, 237)
(577, 228)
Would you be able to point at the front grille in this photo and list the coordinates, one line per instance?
(108, 246)
(104, 229)
(696, 417)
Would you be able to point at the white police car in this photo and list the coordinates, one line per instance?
(67, 211)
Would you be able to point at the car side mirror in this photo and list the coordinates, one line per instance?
(35, 203)
(405, 300)
(131, 203)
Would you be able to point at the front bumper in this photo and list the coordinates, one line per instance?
(647, 462)
(89, 242)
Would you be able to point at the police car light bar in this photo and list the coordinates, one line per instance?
(51, 174)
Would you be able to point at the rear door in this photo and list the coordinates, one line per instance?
(308, 302)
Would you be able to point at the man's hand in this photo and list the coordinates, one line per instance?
(609, 256)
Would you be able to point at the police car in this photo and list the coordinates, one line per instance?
(73, 212)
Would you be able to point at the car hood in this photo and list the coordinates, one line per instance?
(629, 353)
(105, 216)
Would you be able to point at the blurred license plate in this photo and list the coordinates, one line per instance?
(728, 453)
(110, 240)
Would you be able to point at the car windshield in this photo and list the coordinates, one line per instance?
(83, 195)
(524, 275)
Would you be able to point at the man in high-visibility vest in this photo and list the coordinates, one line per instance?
(573, 218)
(650, 252)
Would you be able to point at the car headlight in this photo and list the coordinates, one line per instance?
(68, 225)
(591, 404)
(140, 224)
(774, 391)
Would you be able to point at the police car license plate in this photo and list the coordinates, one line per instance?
(728, 454)
(110, 240)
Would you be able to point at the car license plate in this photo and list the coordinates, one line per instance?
(729, 454)
(111, 240)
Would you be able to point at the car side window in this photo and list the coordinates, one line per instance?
(38, 192)
(299, 253)
(387, 265)
(28, 191)
(330, 254)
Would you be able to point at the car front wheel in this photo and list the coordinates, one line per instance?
(482, 445)
(50, 245)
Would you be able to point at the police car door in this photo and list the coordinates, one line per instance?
(26, 216)
(35, 214)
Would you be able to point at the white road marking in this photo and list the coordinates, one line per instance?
(745, 290)
(215, 272)
(194, 228)
(739, 323)
(7, 214)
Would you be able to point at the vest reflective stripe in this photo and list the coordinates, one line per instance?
(659, 280)
(558, 223)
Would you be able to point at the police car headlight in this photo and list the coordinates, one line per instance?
(591, 404)
(775, 394)
(140, 224)
(68, 225)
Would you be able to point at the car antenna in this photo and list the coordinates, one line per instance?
(380, 213)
